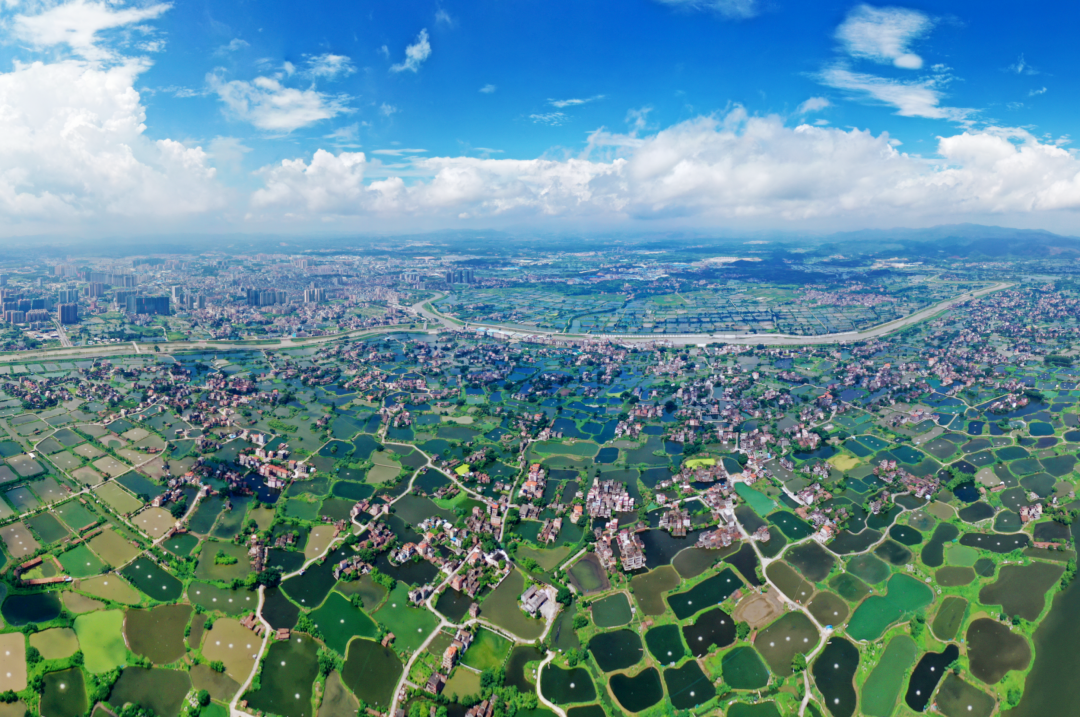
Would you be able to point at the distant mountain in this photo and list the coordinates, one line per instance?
(966, 240)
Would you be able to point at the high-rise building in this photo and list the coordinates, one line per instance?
(37, 316)
(67, 296)
(151, 305)
(68, 313)
(97, 289)
(314, 296)
(15, 317)
(3, 279)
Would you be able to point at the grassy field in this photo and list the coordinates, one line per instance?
(488, 651)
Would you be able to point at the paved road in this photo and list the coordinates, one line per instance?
(424, 309)
(126, 348)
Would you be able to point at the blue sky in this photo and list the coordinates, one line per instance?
(722, 115)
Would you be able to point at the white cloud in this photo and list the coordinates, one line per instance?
(329, 67)
(442, 17)
(267, 104)
(1021, 67)
(73, 148)
(415, 54)
(1036, 93)
(488, 89)
(920, 98)
(387, 110)
(884, 34)
(553, 119)
(228, 152)
(813, 104)
(346, 134)
(77, 24)
(398, 152)
(561, 104)
(707, 170)
(233, 45)
(732, 9)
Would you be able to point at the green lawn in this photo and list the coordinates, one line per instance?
(488, 651)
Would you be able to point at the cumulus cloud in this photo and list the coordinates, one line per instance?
(1036, 93)
(813, 104)
(707, 169)
(884, 34)
(269, 105)
(73, 148)
(415, 54)
(78, 23)
(732, 9)
(488, 89)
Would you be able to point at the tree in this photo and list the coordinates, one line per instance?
(564, 596)
(580, 621)
(203, 697)
(328, 661)
(798, 663)
(217, 666)
(742, 630)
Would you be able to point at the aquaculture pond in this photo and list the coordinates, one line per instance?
(904, 595)
(567, 686)
(692, 562)
(665, 644)
(311, 588)
(224, 600)
(933, 553)
(454, 604)
(714, 628)
(869, 568)
(288, 673)
(639, 692)
(339, 622)
(949, 618)
(688, 686)
(279, 610)
(788, 581)
(760, 709)
(64, 694)
(588, 576)
(516, 675)
(616, 650)
(882, 687)
(149, 577)
(371, 671)
(158, 633)
(926, 675)
(613, 611)
(995, 542)
(994, 649)
(778, 643)
(743, 669)
(711, 591)
(1021, 589)
(812, 560)
(957, 698)
(159, 690)
(828, 608)
(834, 673)
(19, 610)
(650, 587)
